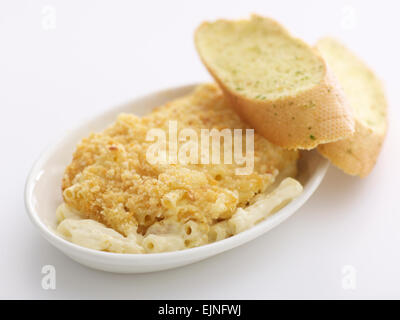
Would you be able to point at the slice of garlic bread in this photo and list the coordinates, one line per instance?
(277, 83)
(356, 155)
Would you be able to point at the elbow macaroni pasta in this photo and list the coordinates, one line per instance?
(170, 234)
(117, 200)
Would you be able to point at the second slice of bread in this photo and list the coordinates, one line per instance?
(356, 155)
(277, 83)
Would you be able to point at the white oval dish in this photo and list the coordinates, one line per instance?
(43, 195)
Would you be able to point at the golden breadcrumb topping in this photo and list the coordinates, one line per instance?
(110, 180)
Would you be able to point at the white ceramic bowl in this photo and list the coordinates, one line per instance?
(43, 195)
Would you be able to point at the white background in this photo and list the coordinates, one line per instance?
(99, 54)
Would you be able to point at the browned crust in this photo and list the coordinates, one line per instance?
(316, 116)
(356, 155)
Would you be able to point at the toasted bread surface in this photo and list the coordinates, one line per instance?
(277, 83)
(356, 155)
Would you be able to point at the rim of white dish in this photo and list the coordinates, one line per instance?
(215, 247)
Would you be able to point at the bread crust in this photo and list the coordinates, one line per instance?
(358, 154)
(315, 116)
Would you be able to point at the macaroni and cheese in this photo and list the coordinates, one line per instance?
(117, 201)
